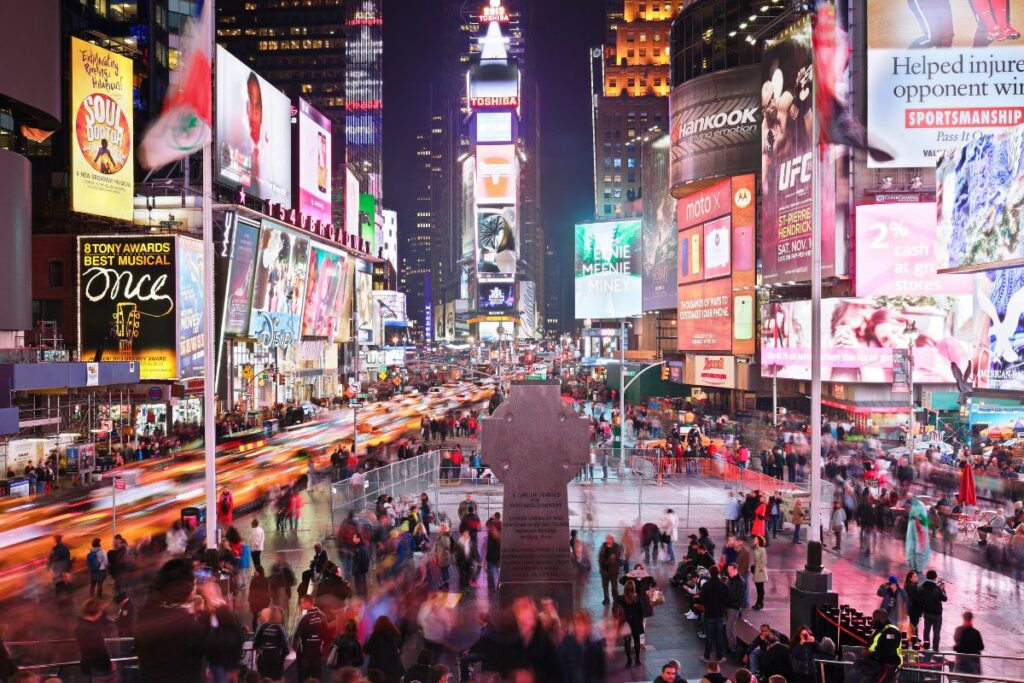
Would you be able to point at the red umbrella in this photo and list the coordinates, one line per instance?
(968, 494)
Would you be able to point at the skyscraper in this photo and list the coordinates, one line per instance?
(414, 250)
(632, 84)
(364, 93)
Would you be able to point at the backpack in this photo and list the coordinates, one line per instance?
(94, 561)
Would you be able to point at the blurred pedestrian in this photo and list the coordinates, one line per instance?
(96, 561)
(580, 654)
(225, 507)
(259, 596)
(90, 633)
(308, 641)
(270, 644)
(968, 645)
(257, 538)
(629, 611)
(59, 559)
(384, 650)
(759, 568)
(346, 649)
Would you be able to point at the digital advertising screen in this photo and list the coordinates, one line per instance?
(364, 303)
(191, 308)
(276, 313)
(496, 297)
(858, 337)
(254, 136)
(496, 175)
(497, 239)
(659, 229)
(325, 293)
(493, 83)
(368, 220)
(940, 75)
(314, 163)
(705, 316)
(980, 203)
(716, 125)
(494, 127)
(102, 133)
(999, 343)
(896, 253)
(351, 203)
(527, 309)
(608, 269)
(127, 309)
(241, 267)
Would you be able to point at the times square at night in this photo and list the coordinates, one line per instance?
(723, 297)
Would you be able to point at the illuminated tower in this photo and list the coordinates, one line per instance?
(364, 93)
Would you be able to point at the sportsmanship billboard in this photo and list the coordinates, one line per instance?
(659, 252)
(276, 314)
(102, 137)
(496, 175)
(254, 138)
(786, 161)
(314, 163)
(858, 337)
(190, 308)
(608, 270)
(716, 125)
(704, 311)
(497, 240)
(940, 75)
(240, 277)
(895, 247)
(325, 293)
(126, 302)
(978, 192)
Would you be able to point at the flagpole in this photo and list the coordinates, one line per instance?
(816, 168)
(209, 381)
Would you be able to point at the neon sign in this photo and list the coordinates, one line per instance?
(494, 102)
(493, 13)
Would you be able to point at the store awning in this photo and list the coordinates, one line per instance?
(866, 407)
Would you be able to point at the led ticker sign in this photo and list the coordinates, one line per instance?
(494, 102)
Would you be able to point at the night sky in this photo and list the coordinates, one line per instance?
(558, 37)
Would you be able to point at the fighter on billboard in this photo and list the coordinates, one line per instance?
(102, 138)
(716, 125)
(191, 310)
(254, 142)
(325, 293)
(941, 73)
(497, 241)
(608, 270)
(276, 313)
(241, 266)
(980, 202)
(126, 302)
(314, 163)
(660, 235)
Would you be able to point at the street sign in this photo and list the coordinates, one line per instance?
(354, 386)
(155, 393)
(382, 375)
(355, 405)
(364, 396)
(120, 484)
(106, 425)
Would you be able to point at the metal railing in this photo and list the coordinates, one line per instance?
(403, 478)
(930, 666)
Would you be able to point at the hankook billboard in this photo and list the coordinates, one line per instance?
(716, 125)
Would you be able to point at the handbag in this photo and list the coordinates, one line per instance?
(655, 597)
(665, 538)
(332, 658)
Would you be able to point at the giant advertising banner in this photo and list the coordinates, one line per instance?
(468, 222)
(496, 175)
(325, 293)
(102, 137)
(858, 337)
(716, 125)
(980, 203)
(126, 302)
(704, 310)
(744, 264)
(786, 161)
(254, 138)
(191, 308)
(659, 252)
(241, 267)
(496, 297)
(351, 203)
(940, 75)
(527, 309)
(608, 270)
(276, 314)
(498, 237)
(364, 302)
(314, 163)
(999, 327)
(368, 220)
(895, 250)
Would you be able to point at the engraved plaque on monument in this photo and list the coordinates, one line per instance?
(535, 444)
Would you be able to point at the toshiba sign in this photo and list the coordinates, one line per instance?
(716, 127)
(509, 101)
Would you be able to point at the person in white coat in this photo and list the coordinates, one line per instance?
(670, 531)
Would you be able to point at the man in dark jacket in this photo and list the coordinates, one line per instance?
(967, 643)
(775, 660)
(609, 561)
(931, 596)
(360, 565)
(883, 655)
(310, 634)
(316, 567)
(734, 604)
(714, 596)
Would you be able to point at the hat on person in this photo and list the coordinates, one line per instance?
(828, 645)
(693, 537)
(893, 579)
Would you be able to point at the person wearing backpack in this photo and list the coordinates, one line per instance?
(97, 562)
(310, 634)
(443, 554)
(270, 643)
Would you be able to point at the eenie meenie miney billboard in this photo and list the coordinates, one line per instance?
(608, 269)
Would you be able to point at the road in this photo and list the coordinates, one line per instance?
(158, 489)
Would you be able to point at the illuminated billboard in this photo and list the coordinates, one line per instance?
(608, 270)
(314, 163)
(659, 221)
(351, 203)
(497, 238)
(368, 221)
(705, 316)
(999, 347)
(191, 308)
(325, 293)
(468, 221)
(364, 301)
(496, 297)
(896, 245)
(254, 138)
(102, 137)
(496, 175)
(980, 203)
(241, 266)
(939, 78)
(276, 314)
(494, 127)
(858, 337)
(493, 83)
(127, 306)
(528, 309)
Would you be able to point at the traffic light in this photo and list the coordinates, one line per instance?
(664, 373)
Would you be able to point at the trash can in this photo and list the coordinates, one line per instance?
(192, 517)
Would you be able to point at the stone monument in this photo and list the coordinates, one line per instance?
(535, 443)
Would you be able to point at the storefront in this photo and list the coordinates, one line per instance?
(601, 343)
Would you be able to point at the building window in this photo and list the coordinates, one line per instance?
(617, 163)
(631, 83)
(611, 84)
(618, 193)
(607, 208)
(643, 37)
(618, 177)
(631, 133)
(631, 163)
(607, 193)
(55, 273)
(607, 177)
(631, 177)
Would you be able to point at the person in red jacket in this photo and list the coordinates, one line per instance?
(225, 507)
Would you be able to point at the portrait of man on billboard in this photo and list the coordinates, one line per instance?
(254, 112)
